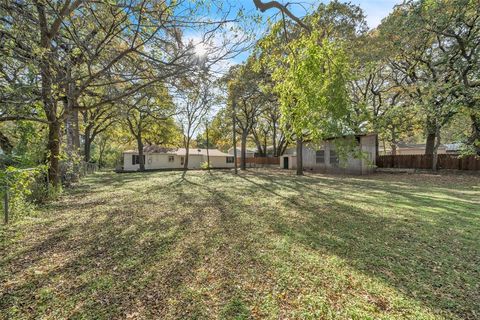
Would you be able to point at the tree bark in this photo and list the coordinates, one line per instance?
(5, 144)
(435, 150)
(87, 146)
(208, 147)
(234, 135)
(54, 153)
(265, 152)
(299, 157)
(140, 152)
(274, 141)
(474, 138)
(430, 143)
(187, 154)
(243, 163)
(394, 149)
(103, 145)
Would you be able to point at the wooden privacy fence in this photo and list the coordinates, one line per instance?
(421, 161)
(260, 161)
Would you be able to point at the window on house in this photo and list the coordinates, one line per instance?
(136, 159)
(182, 161)
(333, 157)
(230, 159)
(320, 156)
(171, 158)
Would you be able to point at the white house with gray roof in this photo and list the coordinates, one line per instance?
(157, 158)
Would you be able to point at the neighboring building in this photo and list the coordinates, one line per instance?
(411, 148)
(453, 148)
(173, 158)
(325, 159)
(250, 153)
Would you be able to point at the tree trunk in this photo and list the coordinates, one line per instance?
(394, 149)
(187, 154)
(265, 152)
(393, 142)
(430, 143)
(5, 144)
(299, 157)
(282, 147)
(103, 145)
(435, 150)
(208, 147)
(87, 146)
(72, 172)
(234, 134)
(274, 141)
(49, 103)
(243, 163)
(141, 160)
(474, 138)
(54, 153)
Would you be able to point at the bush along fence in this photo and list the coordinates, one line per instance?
(421, 161)
(18, 186)
(21, 188)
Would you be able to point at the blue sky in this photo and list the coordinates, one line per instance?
(375, 10)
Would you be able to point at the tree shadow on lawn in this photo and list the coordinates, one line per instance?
(141, 263)
(102, 180)
(197, 249)
(426, 248)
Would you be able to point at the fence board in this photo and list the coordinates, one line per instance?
(421, 161)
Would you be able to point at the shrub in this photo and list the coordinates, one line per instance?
(20, 184)
(204, 165)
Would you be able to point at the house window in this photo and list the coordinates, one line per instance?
(333, 157)
(182, 161)
(171, 158)
(320, 156)
(230, 159)
(136, 159)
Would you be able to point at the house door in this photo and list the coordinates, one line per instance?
(285, 163)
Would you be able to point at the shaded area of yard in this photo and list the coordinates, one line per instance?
(265, 244)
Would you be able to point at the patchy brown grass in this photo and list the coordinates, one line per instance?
(261, 245)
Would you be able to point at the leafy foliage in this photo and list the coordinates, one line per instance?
(313, 88)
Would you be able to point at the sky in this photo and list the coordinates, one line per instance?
(375, 11)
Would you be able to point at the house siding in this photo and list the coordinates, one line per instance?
(155, 161)
(352, 165)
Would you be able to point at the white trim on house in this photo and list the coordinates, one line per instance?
(174, 159)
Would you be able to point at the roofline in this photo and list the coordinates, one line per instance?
(352, 135)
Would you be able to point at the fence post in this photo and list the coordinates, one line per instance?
(5, 205)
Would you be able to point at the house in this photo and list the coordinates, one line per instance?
(412, 148)
(157, 157)
(453, 148)
(325, 158)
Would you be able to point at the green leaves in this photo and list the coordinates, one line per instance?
(313, 88)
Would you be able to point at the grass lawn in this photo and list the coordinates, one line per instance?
(261, 245)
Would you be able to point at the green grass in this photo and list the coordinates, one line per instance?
(261, 245)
